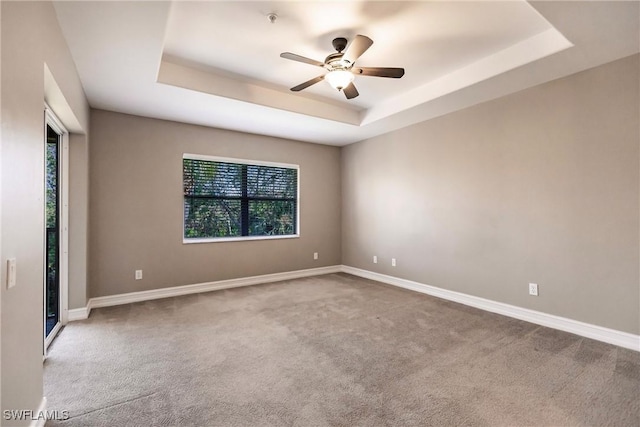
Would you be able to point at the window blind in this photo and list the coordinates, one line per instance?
(223, 199)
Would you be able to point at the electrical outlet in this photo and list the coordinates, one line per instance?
(315, 255)
(375, 259)
(138, 274)
(393, 262)
(533, 289)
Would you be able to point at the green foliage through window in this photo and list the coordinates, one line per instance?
(223, 199)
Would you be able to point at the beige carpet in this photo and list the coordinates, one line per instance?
(332, 350)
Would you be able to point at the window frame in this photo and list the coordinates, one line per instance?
(209, 158)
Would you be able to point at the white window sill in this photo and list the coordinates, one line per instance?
(236, 239)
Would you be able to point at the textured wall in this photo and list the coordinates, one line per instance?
(136, 206)
(539, 186)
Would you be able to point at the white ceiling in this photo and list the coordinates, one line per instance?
(216, 63)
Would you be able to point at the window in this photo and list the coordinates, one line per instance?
(231, 199)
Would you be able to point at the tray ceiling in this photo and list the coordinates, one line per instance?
(216, 63)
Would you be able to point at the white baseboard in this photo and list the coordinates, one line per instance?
(40, 421)
(111, 300)
(611, 336)
(78, 313)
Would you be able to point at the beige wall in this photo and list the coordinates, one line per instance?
(30, 38)
(540, 186)
(136, 206)
(78, 219)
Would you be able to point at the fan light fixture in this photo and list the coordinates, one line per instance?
(339, 79)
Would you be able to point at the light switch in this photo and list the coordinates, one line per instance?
(11, 273)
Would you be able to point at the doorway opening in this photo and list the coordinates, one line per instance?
(56, 227)
(52, 236)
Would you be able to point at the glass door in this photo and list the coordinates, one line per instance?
(52, 234)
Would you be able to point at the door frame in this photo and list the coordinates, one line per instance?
(63, 187)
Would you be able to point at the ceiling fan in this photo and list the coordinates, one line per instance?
(340, 66)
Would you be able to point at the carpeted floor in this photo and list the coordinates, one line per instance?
(331, 350)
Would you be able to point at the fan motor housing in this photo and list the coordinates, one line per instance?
(335, 62)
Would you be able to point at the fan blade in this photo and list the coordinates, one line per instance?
(307, 84)
(395, 73)
(358, 46)
(294, 57)
(350, 91)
